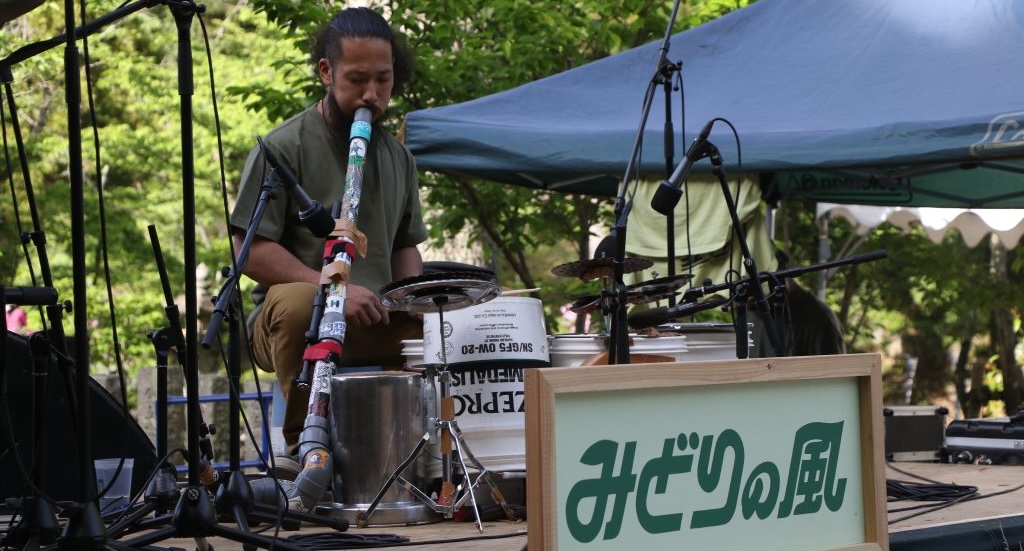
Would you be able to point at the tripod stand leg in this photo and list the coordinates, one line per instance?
(363, 518)
(484, 474)
(38, 526)
(459, 444)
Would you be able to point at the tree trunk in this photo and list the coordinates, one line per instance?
(969, 374)
(1004, 339)
(1003, 342)
(932, 373)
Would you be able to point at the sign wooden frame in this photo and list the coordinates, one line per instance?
(546, 388)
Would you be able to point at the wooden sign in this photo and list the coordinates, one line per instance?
(776, 454)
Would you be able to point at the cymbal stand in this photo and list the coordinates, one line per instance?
(162, 491)
(451, 440)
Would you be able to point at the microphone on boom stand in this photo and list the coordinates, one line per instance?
(668, 193)
(311, 212)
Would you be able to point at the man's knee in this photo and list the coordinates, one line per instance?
(288, 305)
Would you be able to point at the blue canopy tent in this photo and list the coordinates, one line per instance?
(915, 103)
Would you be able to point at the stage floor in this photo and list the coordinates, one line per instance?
(999, 485)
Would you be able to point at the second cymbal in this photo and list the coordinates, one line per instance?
(600, 267)
(657, 289)
(639, 293)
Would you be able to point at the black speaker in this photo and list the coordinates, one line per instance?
(112, 433)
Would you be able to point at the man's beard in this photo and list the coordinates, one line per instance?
(341, 122)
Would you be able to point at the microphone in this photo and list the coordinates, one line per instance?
(311, 212)
(665, 314)
(667, 196)
(29, 296)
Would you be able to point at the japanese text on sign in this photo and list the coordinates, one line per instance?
(805, 486)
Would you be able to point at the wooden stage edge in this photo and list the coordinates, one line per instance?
(993, 522)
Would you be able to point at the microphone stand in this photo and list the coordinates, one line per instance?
(739, 306)
(54, 312)
(162, 493)
(194, 516)
(780, 276)
(235, 496)
(618, 341)
(84, 528)
(38, 525)
(39, 518)
(665, 75)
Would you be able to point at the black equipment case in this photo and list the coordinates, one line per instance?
(986, 441)
(914, 433)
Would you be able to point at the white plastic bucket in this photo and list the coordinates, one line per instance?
(573, 349)
(709, 340)
(412, 352)
(506, 331)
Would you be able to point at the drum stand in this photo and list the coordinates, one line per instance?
(444, 295)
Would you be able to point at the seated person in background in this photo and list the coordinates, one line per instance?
(810, 326)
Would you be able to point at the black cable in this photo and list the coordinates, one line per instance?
(901, 490)
(946, 495)
(329, 541)
(347, 540)
(105, 255)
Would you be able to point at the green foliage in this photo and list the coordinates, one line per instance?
(931, 297)
(132, 150)
(133, 135)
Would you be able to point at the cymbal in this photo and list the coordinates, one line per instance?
(659, 288)
(600, 267)
(638, 293)
(436, 292)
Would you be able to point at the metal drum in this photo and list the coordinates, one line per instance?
(377, 419)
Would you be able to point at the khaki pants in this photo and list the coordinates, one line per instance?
(279, 340)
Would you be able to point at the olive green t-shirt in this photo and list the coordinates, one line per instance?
(389, 207)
